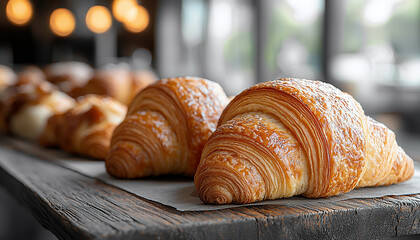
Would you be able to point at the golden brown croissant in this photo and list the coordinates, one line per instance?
(86, 128)
(26, 108)
(165, 129)
(296, 137)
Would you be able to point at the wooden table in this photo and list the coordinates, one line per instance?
(74, 206)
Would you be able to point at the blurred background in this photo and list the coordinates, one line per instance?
(369, 48)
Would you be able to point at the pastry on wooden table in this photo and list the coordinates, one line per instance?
(296, 137)
(25, 109)
(86, 128)
(166, 127)
(68, 75)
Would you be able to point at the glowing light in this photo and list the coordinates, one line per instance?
(121, 7)
(62, 22)
(19, 12)
(378, 12)
(305, 11)
(221, 18)
(137, 19)
(98, 19)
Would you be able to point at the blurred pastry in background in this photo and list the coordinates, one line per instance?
(112, 82)
(85, 129)
(30, 75)
(68, 75)
(25, 109)
(7, 76)
(140, 80)
(119, 83)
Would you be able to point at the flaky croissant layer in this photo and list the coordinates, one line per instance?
(296, 137)
(166, 127)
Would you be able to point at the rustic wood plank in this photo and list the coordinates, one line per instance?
(74, 206)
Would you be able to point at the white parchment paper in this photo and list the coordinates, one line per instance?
(180, 193)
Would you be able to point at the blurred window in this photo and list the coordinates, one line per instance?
(294, 39)
(381, 40)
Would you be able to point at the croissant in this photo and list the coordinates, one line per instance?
(165, 129)
(31, 75)
(26, 108)
(86, 128)
(68, 76)
(140, 80)
(114, 83)
(296, 137)
(118, 83)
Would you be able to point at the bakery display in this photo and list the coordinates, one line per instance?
(296, 137)
(68, 76)
(86, 128)
(166, 127)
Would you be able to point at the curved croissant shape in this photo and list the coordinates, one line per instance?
(296, 137)
(85, 129)
(166, 127)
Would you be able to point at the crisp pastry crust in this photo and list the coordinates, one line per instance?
(289, 137)
(166, 127)
(86, 128)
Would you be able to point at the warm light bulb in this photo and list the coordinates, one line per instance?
(98, 19)
(62, 22)
(19, 12)
(137, 19)
(121, 7)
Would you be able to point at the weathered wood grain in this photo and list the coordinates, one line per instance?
(74, 206)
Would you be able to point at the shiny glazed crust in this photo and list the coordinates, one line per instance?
(166, 127)
(290, 137)
(85, 129)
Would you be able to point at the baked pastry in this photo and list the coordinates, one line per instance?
(86, 128)
(139, 80)
(7, 76)
(30, 75)
(68, 75)
(26, 108)
(296, 137)
(118, 83)
(166, 127)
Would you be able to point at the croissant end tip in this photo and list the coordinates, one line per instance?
(217, 195)
(116, 168)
